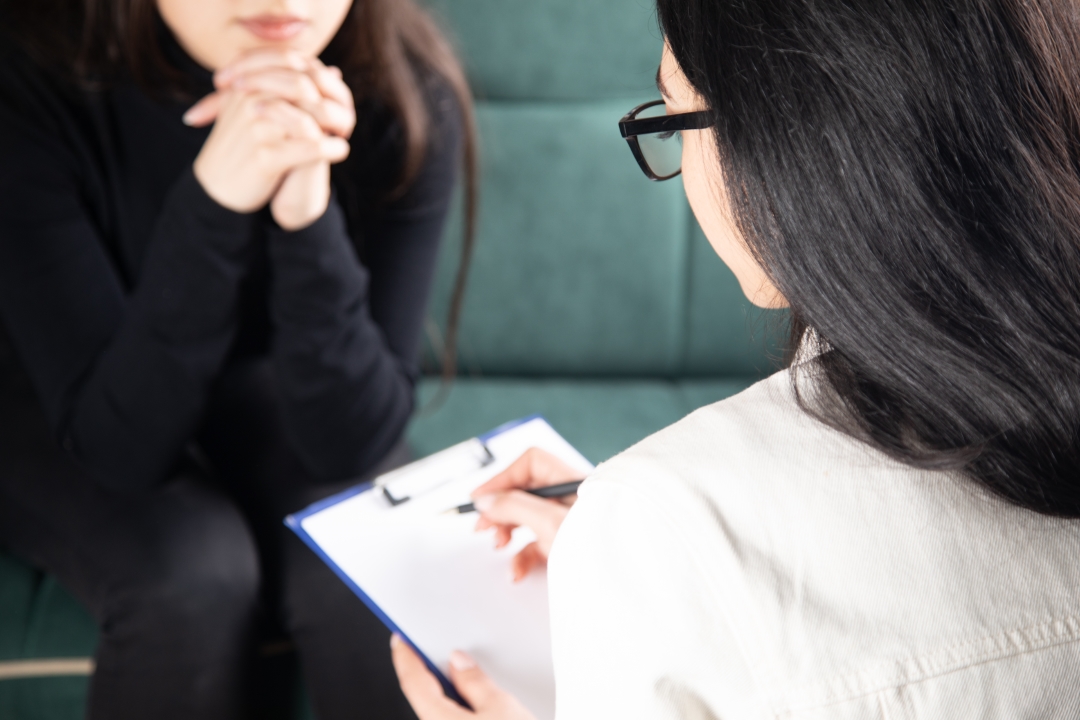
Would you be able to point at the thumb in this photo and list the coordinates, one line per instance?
(474, 685)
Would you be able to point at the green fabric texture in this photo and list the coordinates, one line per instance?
(579, 260)
(594, 298)
(555, 50)
(583, 267)
(725, 334)
(38, 619)
(599, 417)
(18, 585)
(44, 698)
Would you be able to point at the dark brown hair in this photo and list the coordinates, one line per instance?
(385, 48)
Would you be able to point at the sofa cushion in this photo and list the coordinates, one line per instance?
(580, 264)
(39, 621)
(599, 417)
(584, 268)
(725, 334)
(555, 49)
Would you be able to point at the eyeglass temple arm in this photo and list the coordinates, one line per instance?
(631, 127)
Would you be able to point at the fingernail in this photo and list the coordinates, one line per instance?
(484, 502)
(395, 640)
(187, 119)
(461, 661)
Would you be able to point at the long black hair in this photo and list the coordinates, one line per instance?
(908, 174)
(384, 48)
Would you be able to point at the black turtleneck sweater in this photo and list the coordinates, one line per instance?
(126, 291)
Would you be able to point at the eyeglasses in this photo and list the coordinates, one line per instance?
(655, 137)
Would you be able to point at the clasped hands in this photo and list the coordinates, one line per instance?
(281, 119)
(504, 506)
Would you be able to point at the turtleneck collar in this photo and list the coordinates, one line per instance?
(200, 80)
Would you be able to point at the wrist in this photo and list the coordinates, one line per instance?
(205, 178)
(302, 198)
(295, 221)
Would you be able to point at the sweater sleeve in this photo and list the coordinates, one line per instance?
(347, 332)
(122, 375)
(637, 631)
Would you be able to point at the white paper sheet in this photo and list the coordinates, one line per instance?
(442, 584)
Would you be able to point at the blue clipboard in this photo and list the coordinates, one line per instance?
(295, 523)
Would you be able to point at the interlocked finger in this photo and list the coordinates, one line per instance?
(296, 123)
(291, 153)
(261, 59)
(298, 88)
(303, 92)
(330, 83)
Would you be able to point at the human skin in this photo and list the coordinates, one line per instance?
(703, 182)
(504, 509)
(217, 32)
(503, 504)
(281, 116)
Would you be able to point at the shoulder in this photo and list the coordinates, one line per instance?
(380, 145)
(835, 569)
(380, 126)
(38, 105)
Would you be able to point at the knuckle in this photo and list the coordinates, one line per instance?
(310, 127)
(307, 88)
(249, 99)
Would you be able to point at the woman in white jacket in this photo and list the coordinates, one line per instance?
(887, 528)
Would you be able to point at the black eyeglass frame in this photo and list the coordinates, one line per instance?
(630, 127)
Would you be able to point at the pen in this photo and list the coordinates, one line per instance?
(551, 491)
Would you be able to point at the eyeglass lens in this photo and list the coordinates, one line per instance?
(662, 151)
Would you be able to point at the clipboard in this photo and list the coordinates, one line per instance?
(431, 579)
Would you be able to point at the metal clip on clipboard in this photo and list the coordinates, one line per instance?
(400, 485)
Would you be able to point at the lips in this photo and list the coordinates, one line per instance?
(274, 28)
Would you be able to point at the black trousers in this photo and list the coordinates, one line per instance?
(185, 579)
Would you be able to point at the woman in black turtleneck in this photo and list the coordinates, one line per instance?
(205, 329)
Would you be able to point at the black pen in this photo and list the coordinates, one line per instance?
(551, 491)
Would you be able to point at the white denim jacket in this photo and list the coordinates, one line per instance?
(750, 562)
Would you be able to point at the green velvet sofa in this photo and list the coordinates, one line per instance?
(594, 298)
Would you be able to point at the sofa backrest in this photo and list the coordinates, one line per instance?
(583, 267)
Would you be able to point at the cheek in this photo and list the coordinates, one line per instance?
(706, 200)
(327, 18)
(706, 197)
(208, 31)
(204, 28)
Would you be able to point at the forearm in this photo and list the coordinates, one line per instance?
(138, 405)
(347, 395)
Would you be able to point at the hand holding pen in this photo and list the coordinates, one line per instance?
(504, 504)
(508, 500)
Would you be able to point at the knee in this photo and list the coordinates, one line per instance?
(199, 572)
